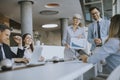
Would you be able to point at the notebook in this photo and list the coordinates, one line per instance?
(36, 57)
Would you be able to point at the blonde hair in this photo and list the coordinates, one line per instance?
(114, 30)
(77, 16)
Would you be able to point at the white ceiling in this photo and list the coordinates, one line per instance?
(67, 9)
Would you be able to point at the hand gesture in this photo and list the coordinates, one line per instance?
(18, 39)
(21, 60)
(67, 46)
(41, 58)
(84, 58)
(97, 41)
(80, 36)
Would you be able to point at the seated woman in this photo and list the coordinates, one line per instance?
(27, 43)
(111, 49)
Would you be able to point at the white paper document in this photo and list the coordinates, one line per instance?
(77, 43)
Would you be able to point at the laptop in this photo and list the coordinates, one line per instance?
(36, 57)
(49, 52)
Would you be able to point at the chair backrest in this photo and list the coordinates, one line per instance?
(115, 74)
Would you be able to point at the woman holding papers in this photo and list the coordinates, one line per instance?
(74, 31)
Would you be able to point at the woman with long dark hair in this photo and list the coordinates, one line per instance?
(27, 42)
(27, 45)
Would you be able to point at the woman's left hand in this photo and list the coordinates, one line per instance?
(80, 36)
(41, 58)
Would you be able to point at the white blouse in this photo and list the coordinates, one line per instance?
(28, 53)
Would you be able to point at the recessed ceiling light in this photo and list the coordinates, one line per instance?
(48, 12)
(49, 25)
(52, 5)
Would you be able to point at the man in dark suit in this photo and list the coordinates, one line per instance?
(5, 51)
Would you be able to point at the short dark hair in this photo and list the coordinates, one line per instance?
(4, 27)
(90, 9)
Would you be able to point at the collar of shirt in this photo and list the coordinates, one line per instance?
(73, 26)
(99, 20)
(0, 44)
(2, 51)
(26, 47)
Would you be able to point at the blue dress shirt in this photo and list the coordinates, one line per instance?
(109, 51)
(93, 31)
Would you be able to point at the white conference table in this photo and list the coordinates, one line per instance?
(50, 71)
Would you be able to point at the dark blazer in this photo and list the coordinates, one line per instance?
(9, 54)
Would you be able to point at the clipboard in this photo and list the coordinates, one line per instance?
(77, 43)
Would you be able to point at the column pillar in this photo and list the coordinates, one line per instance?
(26, 16)
(64, 25)
(118, 5)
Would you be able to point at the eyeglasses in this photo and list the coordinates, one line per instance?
(94, 13)
(76, 19)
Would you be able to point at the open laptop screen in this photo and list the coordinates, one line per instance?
(36, 54)
(48, 52)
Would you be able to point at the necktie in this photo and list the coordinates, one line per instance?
(98, 28)
(1, 55)
(99, 36)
